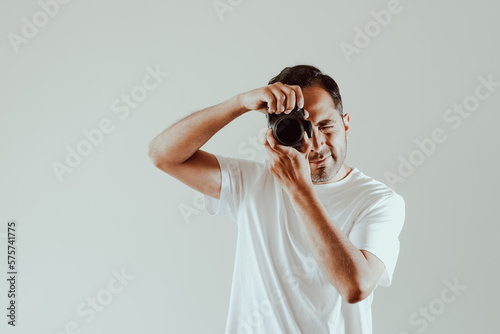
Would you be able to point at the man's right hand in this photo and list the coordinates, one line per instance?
(177, 149)
(275, 98)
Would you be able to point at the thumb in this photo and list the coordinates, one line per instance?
(306, 144)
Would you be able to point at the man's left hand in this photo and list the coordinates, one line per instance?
(289, 166)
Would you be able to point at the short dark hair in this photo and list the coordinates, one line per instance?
(306, 76)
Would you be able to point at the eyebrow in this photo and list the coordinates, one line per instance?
(325, 122)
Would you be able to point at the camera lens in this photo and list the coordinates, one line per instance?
(288, 130)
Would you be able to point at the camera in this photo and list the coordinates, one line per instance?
(288, 129)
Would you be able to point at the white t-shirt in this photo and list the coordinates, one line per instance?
(277, 285)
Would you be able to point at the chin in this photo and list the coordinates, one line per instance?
(322, 174)
(325, 173)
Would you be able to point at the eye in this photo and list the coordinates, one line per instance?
(326, 127)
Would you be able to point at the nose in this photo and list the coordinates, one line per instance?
(318, 140)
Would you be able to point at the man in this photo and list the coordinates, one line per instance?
(315, 236)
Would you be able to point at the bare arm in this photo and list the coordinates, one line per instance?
(353, 272)
(176, 150)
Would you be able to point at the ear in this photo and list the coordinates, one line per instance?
(346, 120)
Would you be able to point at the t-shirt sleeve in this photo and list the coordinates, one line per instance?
(237, 174)
(378, 232)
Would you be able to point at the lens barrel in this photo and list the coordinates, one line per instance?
(288, 129)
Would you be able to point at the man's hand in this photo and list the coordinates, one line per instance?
(290, 167)
(275, 98)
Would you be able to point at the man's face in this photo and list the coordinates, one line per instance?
(329, 135)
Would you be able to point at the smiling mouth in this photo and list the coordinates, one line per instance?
(321, 161)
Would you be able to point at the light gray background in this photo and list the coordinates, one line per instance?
(116, 210)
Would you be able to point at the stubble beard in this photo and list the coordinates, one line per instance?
(324, 173)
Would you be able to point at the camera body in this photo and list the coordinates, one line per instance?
(288, 129)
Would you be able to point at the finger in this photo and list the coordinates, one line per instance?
(299, 96)
(266, 144)
(306, 145)
(280, 97)
(274, 105)
(290, 98)
(271, 99)
(269, 140)
(280, 149)
(273, 144)
(273, 154)
(286, 150)
(268, 147)
(268, 98)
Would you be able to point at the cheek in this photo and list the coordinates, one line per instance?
(338, 137)
(334, 140)
(337, 143)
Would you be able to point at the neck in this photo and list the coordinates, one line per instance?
(341, 174)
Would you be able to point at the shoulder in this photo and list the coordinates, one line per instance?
(374, 192)
(239, 166)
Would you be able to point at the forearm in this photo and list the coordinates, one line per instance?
(342, 263)
(180, 141)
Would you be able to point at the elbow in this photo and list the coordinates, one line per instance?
(151, 153)
(154, 156)
(158, 153)
(158, 159)
(354, 296)
(357, 293)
